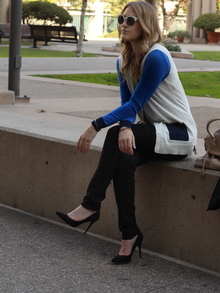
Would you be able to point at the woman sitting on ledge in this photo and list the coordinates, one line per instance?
(149, 87)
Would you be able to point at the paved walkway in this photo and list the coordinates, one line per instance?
(41, 256)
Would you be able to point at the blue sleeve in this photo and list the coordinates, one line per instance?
(124, 91)
(156, 69)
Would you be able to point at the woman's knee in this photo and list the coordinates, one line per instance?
(113, 133)
(126, 163)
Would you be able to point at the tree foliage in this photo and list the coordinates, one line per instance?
(46, 11)
(170, 16)
(51, 1)
(115, 6)
(218, 5)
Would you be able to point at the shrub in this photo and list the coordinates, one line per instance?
(208, 21)
(181, 34)
(171, 45)
(45, 11)
(63, 17)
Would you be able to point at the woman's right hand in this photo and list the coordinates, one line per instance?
(126, 141)
(86, 139)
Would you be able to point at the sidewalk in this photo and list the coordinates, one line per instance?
(43, 256)
(74, 103)
(39, 256)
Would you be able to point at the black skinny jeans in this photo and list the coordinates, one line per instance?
(120, 167)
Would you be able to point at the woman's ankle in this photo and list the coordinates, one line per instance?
(80, 213)
(126, 246)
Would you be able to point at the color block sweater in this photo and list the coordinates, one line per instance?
(158, 98)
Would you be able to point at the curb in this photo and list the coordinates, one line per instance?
(183, 54)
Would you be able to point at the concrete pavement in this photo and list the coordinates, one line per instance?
(70, 97)
(39, 256)
(42, 256)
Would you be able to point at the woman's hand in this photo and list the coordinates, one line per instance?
(86, 139)
(126, 141)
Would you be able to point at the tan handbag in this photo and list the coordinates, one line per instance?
(211, 160)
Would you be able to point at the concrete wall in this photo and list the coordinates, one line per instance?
(194, 10)
(4, 15)
(7, 97)
(42, 176)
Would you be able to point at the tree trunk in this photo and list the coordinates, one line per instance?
(156, 7)
(81, 33)
(154, 4)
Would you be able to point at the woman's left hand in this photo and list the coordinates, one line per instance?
(85, 139)
(126, 141)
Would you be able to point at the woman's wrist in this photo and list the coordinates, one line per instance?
(98, 124)
(95, 125)
(124, 128)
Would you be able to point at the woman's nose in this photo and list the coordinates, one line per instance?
(124, 24)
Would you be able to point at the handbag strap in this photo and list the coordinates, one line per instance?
(204, 162)
(207, 127)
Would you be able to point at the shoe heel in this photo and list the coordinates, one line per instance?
(139, 246)
(92, 222)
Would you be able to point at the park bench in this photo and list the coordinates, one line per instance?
(5, 31)
(53, 33)
(44, 33)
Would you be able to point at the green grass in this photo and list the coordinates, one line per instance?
(200, 84)
(4, 53)
(22, 44)
(206, 55)
(102, 78)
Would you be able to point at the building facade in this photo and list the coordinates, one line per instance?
(195, 8)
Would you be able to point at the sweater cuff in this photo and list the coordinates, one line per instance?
(98, 124)
(125, 123)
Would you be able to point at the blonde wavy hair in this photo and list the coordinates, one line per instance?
(151, 35)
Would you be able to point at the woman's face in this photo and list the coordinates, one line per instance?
(130, 33)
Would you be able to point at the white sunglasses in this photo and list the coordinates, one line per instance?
(129, 19)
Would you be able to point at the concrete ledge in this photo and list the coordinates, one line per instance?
(112, 49)
(41, 176)
(200, 40)
(183, 54)
(7, 98)
(22, 100)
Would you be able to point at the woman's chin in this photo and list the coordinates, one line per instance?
(125, 38)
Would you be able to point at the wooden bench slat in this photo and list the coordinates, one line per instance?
(25, 31)
(51, 33)
(42, 33)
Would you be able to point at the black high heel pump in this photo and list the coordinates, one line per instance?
(92, 219)
(122, 259)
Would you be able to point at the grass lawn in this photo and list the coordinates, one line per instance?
(102, 78)
(200, 84)
(22, 44)
(209, 55)
(4, 53)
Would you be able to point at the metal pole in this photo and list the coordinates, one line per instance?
(15, 47)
